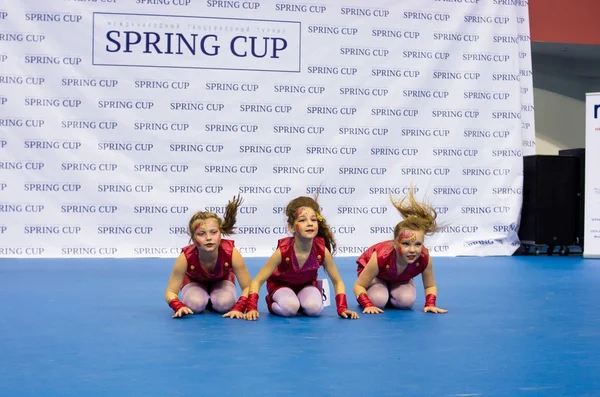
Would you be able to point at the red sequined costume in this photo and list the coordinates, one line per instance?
(386, 261)
(223, 269)
(288, 273)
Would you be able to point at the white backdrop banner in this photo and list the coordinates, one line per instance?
(591, 234)
(121, 118)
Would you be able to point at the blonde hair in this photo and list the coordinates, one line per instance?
(417, 216)
(226, 225)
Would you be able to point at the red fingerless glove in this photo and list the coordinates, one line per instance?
(364, 301)
(430, 300)
(176, 304)
(240, 305)
(341, 304)
(252, 302)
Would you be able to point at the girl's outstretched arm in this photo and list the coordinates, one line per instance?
(362, 283)
(430, 290)
(241, 273)
(338, 287)
(172, 292)
(258, 281)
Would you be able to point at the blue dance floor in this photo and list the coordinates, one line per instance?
(516, 326)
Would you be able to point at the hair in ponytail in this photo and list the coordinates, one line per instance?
(416, 215)
(226, 225)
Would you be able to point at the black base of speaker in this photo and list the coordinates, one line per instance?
(579, 191)
(549, 209)
(541, 249)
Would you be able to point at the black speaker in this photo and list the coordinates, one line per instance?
(549, 205)
(579, 191)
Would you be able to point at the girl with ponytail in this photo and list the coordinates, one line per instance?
(291, 272)
(205, 271)
(386, 269)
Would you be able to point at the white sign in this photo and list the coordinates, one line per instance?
(591, 236)
(120, 119)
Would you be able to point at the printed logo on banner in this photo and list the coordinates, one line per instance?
(196, 42)
(250, 251)
(343, 229)
(596, 115)
(122, 157)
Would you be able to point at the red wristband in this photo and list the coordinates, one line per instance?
(341, 303)
(430, 300)
(176, 304)
(364, 301)
(240, 305)
(252, 302)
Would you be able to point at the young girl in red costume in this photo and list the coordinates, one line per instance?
(291, 272)
(206, 270)
(386, 270)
